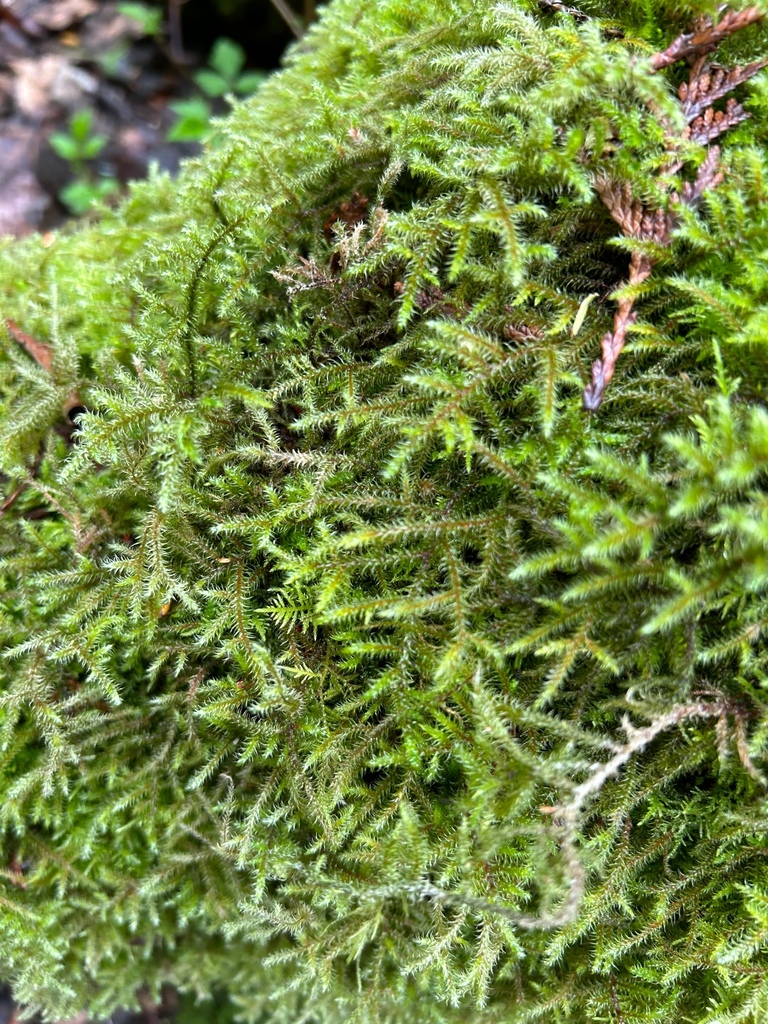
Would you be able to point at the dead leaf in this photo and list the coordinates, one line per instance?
(110, 28)
(40, 351)
(56, 15)
(39, 80)
(349, 213)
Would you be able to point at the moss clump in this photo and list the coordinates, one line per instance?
(348, 663)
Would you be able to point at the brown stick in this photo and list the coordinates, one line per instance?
(288, 17)
(175, 38)
(11, 499)
(637, 222)
(615, 1001)
(613, 342)
(556, 7)
(23, 25)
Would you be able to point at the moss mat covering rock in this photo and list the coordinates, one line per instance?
(382, 635)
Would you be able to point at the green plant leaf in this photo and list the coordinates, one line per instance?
(80, 124)
(92, 146)
(80, 195)
(211, 82)
(64, 145)
(228, 58)
(110, 60)
(149, 18)
(194, 117)
(249, 82)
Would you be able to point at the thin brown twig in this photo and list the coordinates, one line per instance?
(638, 222)
(288, 17)
(613, 342)
(175, 38)
(556, 7)
(615, 1001)
(742, 748)
(23, 25)
(6, 14)
(9, 501)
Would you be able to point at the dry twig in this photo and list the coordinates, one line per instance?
(712, 123)
(174, 31)
(567, 819)
(288, 17)
(613, 342)
(705, 85)
(556, 7)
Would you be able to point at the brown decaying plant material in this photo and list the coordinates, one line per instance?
(705, 85)
(42, 353)
(706, 37)
(350, 213)
(708, 84)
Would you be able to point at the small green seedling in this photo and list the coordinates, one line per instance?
(77, 146)
(223, 75)
(149, 22)
(225, 71)
(79, 143)
(150, 19)
(194, 116)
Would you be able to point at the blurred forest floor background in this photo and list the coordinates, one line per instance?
(91, 93)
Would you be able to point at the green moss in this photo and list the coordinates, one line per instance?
(336, 591)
